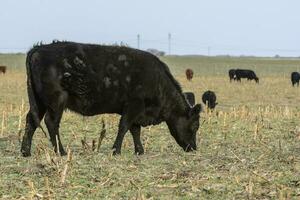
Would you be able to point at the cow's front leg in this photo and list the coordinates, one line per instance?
(123, 128)
(132, 112)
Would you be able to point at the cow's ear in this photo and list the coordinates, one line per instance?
(195, 110)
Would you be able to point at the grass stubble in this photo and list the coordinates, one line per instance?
(248, 148)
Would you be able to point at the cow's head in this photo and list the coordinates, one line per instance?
(256, 80)
(184, 128)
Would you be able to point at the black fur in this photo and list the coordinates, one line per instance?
(295, 77)
(232, 75)
(209, 98)
(190, 98)
(95, 79)
(245, 73)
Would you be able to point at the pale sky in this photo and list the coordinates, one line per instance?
(235, 27)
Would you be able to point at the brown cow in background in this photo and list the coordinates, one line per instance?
(189, 74)
(3, 69)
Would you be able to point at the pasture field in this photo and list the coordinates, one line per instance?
(248, 148)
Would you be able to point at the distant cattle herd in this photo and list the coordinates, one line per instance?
(209, 97)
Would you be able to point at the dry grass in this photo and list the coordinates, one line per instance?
(248, 148)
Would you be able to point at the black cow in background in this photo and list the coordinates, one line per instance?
(295, 77)
(190, 97)
(232, 75)
(95, 79)
(209, 98)
(246, 73)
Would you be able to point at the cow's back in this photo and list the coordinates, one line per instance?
(99, 79)
(295, 75)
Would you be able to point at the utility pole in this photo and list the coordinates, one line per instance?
(138, 41)
(169, 43)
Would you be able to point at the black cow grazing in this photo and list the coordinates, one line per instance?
(245, 73)
(209, 99)
(295, 77)
(190, 97)
(232, 75)
(94, 79)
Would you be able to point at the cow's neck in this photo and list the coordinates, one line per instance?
(176, 104)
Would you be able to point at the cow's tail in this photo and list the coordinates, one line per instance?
(32, 96)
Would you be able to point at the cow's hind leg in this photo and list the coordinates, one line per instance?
(136, 133)
(52, 121)
(135, 107)
(29, 131)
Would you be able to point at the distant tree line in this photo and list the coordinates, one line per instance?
(156, 52)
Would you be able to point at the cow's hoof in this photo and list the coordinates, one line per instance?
(116, 152)
(63, 153)
(139, 152)
(25, 153)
